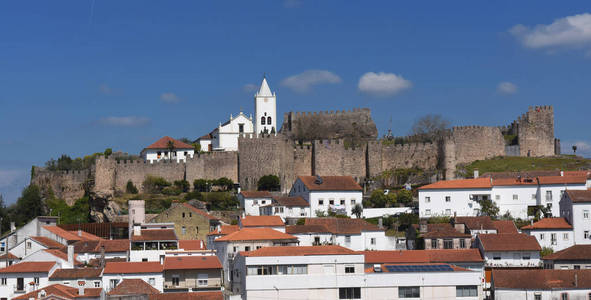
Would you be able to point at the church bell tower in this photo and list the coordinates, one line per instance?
(265, 110)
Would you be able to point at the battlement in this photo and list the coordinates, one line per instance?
(331, 113)
(541, 108)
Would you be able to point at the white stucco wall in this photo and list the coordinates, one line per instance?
(433, 202)
(575, 214)
(151, 155)
(564, 238)
(512, 258)
(158, 279)
(511, 294)
(251, 206)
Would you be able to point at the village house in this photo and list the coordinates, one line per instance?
(287, 208)
(149, 241)
(87, 251)
(553, 233)
(59, 291)
(25, 277)
(167, 148)
(273, 222)
(7, 259)
(445, 236)
(66, 260)
(509, 250)
(251, 201)
(131, 289)
(338, 194)
(87, 277)
(33, 228)
(575, 207)
(205, 142)
(465, 258)
(538, 284)
(192, 273)
(225, 136)
(32, 245)
(221, 230)
(575, 257)
(116, 272)
(189, 222)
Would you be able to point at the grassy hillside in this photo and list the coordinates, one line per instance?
(513, 164)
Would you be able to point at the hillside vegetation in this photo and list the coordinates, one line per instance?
(516, 163)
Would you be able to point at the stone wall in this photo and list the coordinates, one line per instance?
(67, 185)
(212, 165)
(335, 157)
(536, 132)
(384, 156)
(329, 125)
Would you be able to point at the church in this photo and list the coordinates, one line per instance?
(225, 136)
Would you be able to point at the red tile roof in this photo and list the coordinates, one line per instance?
(299, 251)
(536, 279)
(85, 235)
(562, 179)
(443, 230)
(132, 267)
(478, 183)
(259, 221)
(331, 183)
(47, 242)
(509, 242)
(298, 229)
(192, 262)
(155, 235)
(505, 226)
(211, 295)
(95, 262)
(256, 194)
(476, 223)
(292, 201)
(384, 268)
(8, 256)
(422, 256)
(188, 245)
(62, 255)
(163, 144)
(29, 267)
(579, 196)
(256, 234)
(549, 223)
(95, 246)
(133, 287)
(76, 273)
(66, 235)
(225, 230)
(199, 211)
(576, 252)
(343, 225)
(514, 181)
(62, 291)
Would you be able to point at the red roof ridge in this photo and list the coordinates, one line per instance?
(162, 143)
(549, 223)
(256, 234)
(199, 211)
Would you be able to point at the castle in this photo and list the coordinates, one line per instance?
(287, 155)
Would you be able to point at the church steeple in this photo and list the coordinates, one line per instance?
(264, 90)
(265, 110)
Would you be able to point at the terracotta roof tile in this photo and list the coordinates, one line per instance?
(509, 242)
(61, 254)
(8, 256)
(256, 234)
(133, 287)
(258, 221)
(579, 196)
(422, 256)
(192, 262)
(189, 245)
(163, 144)
(514, 181)
(132, 267)
(298, 229)
(199, 211)
(562, 179)
(443, 230)
(85, 235)
(225, 230)
(331, 183)
(478, 183)
(384, 268)
(47, 242)
(76, 273)
(505, 226)
(549, 223)
(210, 295)
(29, 267)
(476, 223)
(536, 279)
(66, 235)
(291, 201)
(155, 235)
(63, 291)
(256, 194)
(95, 262)
(576, 252)
(299, 251)
(343, 225)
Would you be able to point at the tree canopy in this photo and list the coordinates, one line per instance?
(269, 183)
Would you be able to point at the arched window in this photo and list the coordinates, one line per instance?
(262, 120)
(269, 120)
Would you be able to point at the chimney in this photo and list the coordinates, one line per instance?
(79, 232)
(81, 288)
(476, 173)
(71, 255)
(561, 173)
(12, 227)
(102, 258)
(380, 223)
(137, 230)
(201, 244)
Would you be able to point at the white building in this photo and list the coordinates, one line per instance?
(272, 222)
(87, 251)
(33, 228)
(225, 136)
(541, 284)
(336, 193)
(205, 142)
(91, 277)
(150, 272)
(149, 242)
(64, 260)
(25, 277)
(509, 250)
(168, 148)
(33, 244)
(251, 201)
(287, 208)
(265, 110)
(554, 233)
(575, 258)
(513, 195)
(575, 207)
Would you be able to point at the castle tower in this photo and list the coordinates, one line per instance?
(265, 110)
(136, 214)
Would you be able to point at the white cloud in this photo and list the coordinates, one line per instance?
(583, 148)
(383, 84)
(170, 98)
(304, 81)
(568, 32)
(249, 88)
(129, 121)
(105, 89)
(506, 88)
(10, 177)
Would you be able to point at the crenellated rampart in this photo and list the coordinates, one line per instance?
(68, 185)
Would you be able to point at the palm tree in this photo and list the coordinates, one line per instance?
(170, 147)
(575, 149)
(357, 211)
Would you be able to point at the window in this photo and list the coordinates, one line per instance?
(448, 244)
(113, 283)
(186, 153)
(234, 249)
(548, 195)
(496, 256)
(247, 248)
(320, 201)
(409, 292)
(564, 296)
(448, 212)
(350, 293)
(347, 239)
(565, 236)
(553, 238)
(262, 120)
(497, 197)
(183, 215)
(152, 281)
(585, 214)
(175, 280)
(28, 245)
(202, 279)
(586, 234)
(190, 215)
(447, 198)
(342, 201)
(428, 199)
(434, 244)
(280, 269)
(184, 230)
(352, 201)
(515, 197)
(349, 269)
(263, 201)
(36, 280)
(577, 267)
(541, 236)
(269, 120)
(526, 256)
(241, 128)
(462, 243)
(144, 259)
(372, 241)
(3, 281)
(97, 284)
(537, 297)
(331, 201)
(466, 291)
(427, 212)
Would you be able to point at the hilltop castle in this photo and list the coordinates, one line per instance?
(287, 154)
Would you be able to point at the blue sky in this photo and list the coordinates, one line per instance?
(79, 76)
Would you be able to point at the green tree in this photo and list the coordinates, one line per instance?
(546, 251)
(29, 205)
(197, 147)
(404, 196)
(185, 140)
(200, 185)
(108, 152)
(154, 184)
(357, 211)
(130, 188)
(489, 208)
(269, 183)
(575, 149)
(301, 221)
(182, 185)
(4, 222)
(170, 147)
(224, 183)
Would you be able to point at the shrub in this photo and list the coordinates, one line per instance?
(130, 188)
(182, 185)
(200, 185)
(224, 183)
(171, 191)
(193, 195)
(154, 184)
(301, 221)
(269, 183)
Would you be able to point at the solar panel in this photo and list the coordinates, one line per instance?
(419, 268)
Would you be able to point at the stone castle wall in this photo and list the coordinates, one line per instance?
(384, 156)
(335, 157)
(536, 132)
(356, 123)
(67, 185)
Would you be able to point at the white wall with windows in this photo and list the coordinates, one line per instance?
(511, 258)
(556, 239)
(558, 294)
(285, 211)
(447, 202)
(17, 284)
(552, 194)
(225, 136)
(515, 199)
(180, 155)
(251, 205)
(156, 280)
(577, 214)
